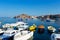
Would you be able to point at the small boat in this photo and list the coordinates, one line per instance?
(1, 32)
(50, 20)
(9, 34)
(41, 29)
(51, 29)
(55, 36)
(33, 27)
(22, 24)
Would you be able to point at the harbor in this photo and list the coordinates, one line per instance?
(38, 29)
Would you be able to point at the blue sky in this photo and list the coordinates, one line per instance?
(10, 8)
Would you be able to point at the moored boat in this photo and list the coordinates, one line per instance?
(33, 27)
(55, 36)
(41, 29)
(1, 32)
(51, 29)
(50, 20)
(17, 24)
(23, 35)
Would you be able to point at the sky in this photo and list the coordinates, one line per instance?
(10, 8)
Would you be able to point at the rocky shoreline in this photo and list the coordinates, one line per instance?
(37, 17)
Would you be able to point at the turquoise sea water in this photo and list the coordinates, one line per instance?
(44, 36)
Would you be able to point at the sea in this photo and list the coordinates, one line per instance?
(36, 36)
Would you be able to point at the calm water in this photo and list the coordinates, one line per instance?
(44, 36)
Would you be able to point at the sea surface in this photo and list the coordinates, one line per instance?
(36, 36)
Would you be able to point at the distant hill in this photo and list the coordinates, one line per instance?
(23, 16)
(38, 17)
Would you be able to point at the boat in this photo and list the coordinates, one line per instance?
(55, 36)
(24, 35)
(41, 29)
(8, 35)
(17, 24)
(51, 29)
(50, 20)
(1, 32)
(22, 25)
(33, 27)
